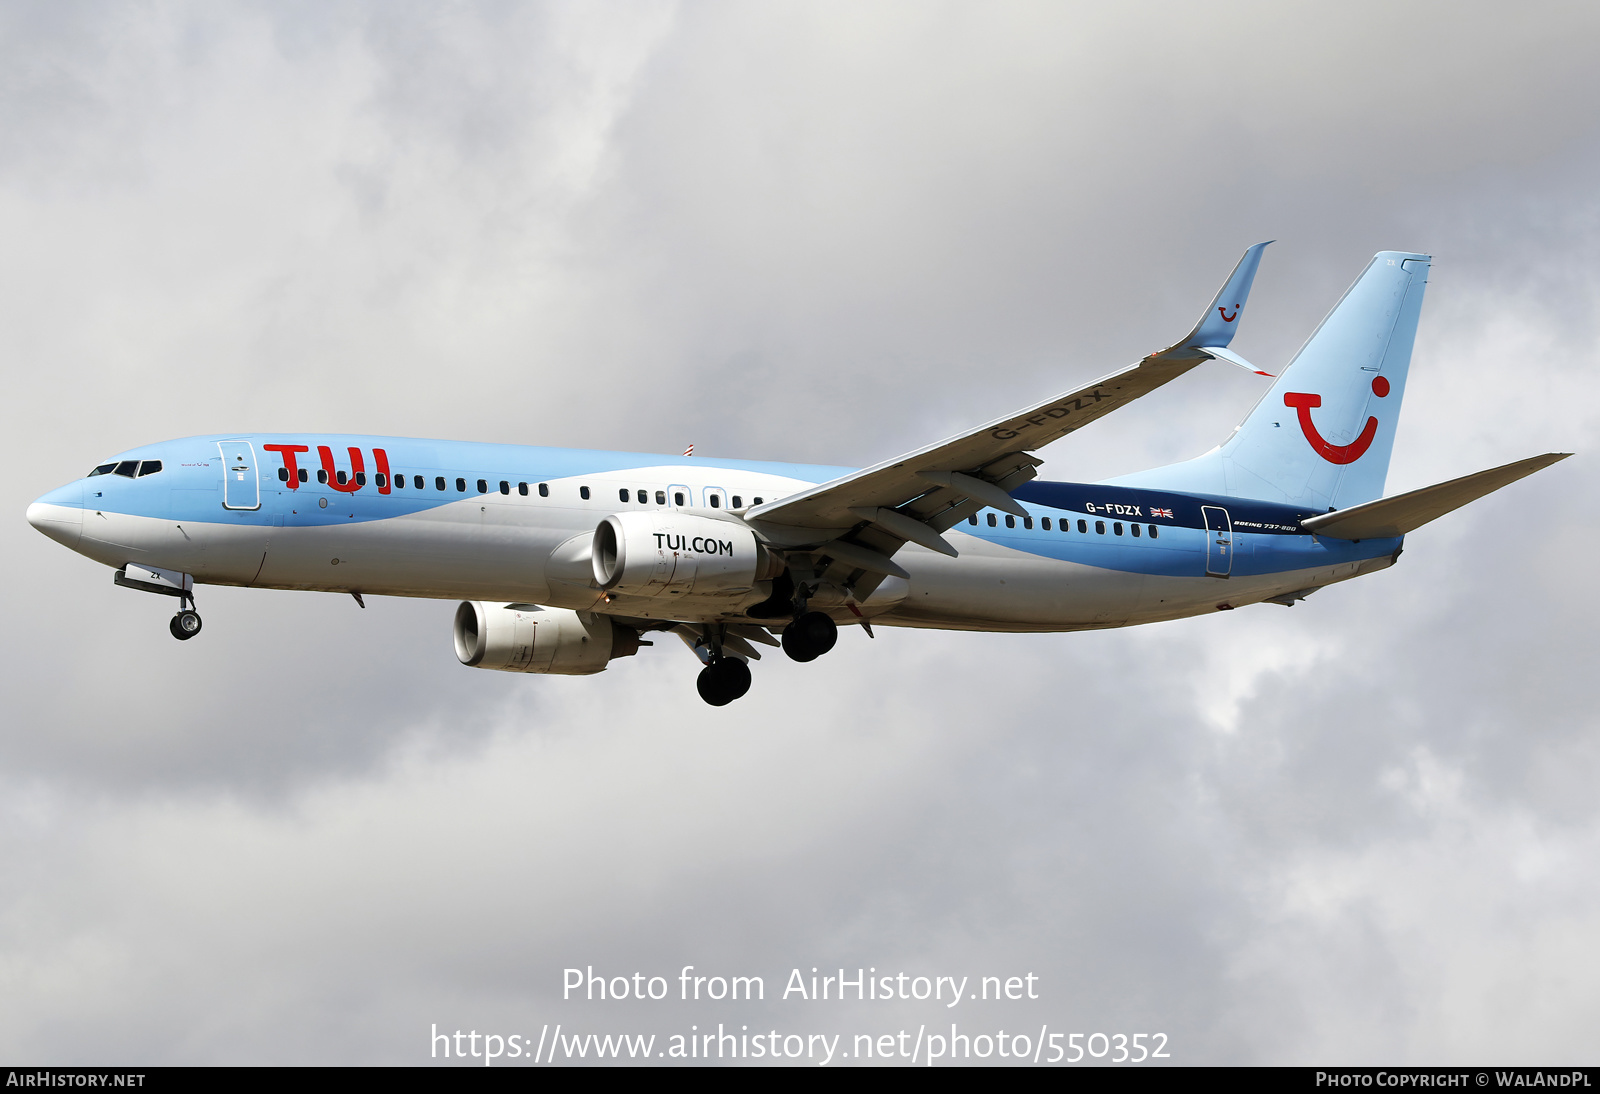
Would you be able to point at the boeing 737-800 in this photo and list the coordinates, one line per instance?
(565, 559)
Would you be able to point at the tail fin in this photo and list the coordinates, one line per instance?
(1323, 434)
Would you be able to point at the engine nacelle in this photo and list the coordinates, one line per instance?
(530, 638)
(665, 552)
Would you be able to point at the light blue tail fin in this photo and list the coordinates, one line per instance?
(1322, 436)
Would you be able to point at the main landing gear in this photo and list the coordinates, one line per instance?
(811, 635)
(723, 681)
(724, 648)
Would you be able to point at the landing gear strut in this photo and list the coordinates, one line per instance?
(148, 579)
(811, 635)
(723, 681)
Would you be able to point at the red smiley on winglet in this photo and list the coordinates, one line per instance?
(1303, 404)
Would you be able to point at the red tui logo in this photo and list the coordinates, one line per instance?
(1304, 403)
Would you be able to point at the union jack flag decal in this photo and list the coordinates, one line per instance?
(1161, 513)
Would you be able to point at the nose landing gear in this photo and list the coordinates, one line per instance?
(149, 579)
(185, 625)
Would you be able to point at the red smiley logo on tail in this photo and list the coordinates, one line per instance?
(1303, 404)
(1226, 318)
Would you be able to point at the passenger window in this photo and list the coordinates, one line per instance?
(461, 486)
(973, 520)
(1027, 522)
(322, 475)
(716, 501)
(623, 494)
(128, 468)
(1117, 527)
(583, 492)
(103, 469)
(643, 497)
(1134, 528)
(1100, 527)
(522, 488)
(755, 501)
(991, 520)
(677, 497)
(483, 486)
(1011, 522)
(342, 478)
(661, 497)
(302, 474)
(737, 501)
(283, 474)
(1083, 526)
(438, 482)
(1044, 522)
(416, 480)
(149, 467)
(400, 481)
(361, 478)
(544, 490)
(1152, 531)
(505, 487)
(377, 479)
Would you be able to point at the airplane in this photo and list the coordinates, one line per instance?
(566, 559)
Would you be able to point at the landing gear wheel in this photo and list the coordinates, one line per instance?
(810, 636)
(723, 681)
(185, 625)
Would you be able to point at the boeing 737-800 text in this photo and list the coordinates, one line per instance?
(565, 559)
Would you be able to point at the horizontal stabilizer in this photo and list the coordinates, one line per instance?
(1403, 513)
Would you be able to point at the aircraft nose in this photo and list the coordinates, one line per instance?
(59, 514)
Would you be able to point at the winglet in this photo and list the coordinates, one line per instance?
(1217, 326)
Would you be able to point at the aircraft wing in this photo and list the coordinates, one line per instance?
(868, 515)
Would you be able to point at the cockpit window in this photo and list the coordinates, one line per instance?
(149, 467)
(103, 469)
(130, 468)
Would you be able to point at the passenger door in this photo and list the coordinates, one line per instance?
(1219, 541)
(241, 488)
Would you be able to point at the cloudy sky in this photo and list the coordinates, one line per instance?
(1363, 830)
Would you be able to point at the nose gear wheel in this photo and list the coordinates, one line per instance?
(185, 625)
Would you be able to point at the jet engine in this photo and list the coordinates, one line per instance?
(664, 552)
(531, 638)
